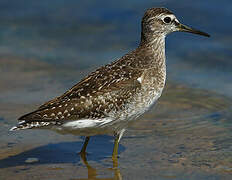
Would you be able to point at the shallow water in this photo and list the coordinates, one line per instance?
(45, 48)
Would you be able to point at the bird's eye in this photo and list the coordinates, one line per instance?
(167, 20)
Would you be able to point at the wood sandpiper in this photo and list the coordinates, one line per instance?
(108, 99)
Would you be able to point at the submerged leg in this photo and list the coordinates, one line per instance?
(83, 149)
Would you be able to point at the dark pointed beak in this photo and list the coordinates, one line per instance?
(185, 28)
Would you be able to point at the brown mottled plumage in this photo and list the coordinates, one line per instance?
(109, 98)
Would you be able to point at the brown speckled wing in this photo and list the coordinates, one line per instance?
(107, 89)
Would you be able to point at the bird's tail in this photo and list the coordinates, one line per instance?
(19, 126)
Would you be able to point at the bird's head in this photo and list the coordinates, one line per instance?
(158, 22)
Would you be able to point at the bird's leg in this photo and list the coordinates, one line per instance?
(115, 151)
(116, 142)
(83, 149)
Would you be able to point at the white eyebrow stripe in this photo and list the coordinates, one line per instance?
(176, 20)
(163, 15)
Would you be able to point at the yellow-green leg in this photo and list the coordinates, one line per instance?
(115, 151)
(83, 149)
(116, 142)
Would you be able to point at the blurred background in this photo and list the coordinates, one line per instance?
(48, 46)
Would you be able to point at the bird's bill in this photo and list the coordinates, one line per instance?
(185, 28)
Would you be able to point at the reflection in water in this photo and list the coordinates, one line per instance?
(92, 172)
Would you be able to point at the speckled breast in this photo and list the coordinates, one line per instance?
(152, 84)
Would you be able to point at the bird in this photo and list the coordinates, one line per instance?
(112, 96)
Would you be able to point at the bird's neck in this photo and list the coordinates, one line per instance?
(153, 63)
(154, 52)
